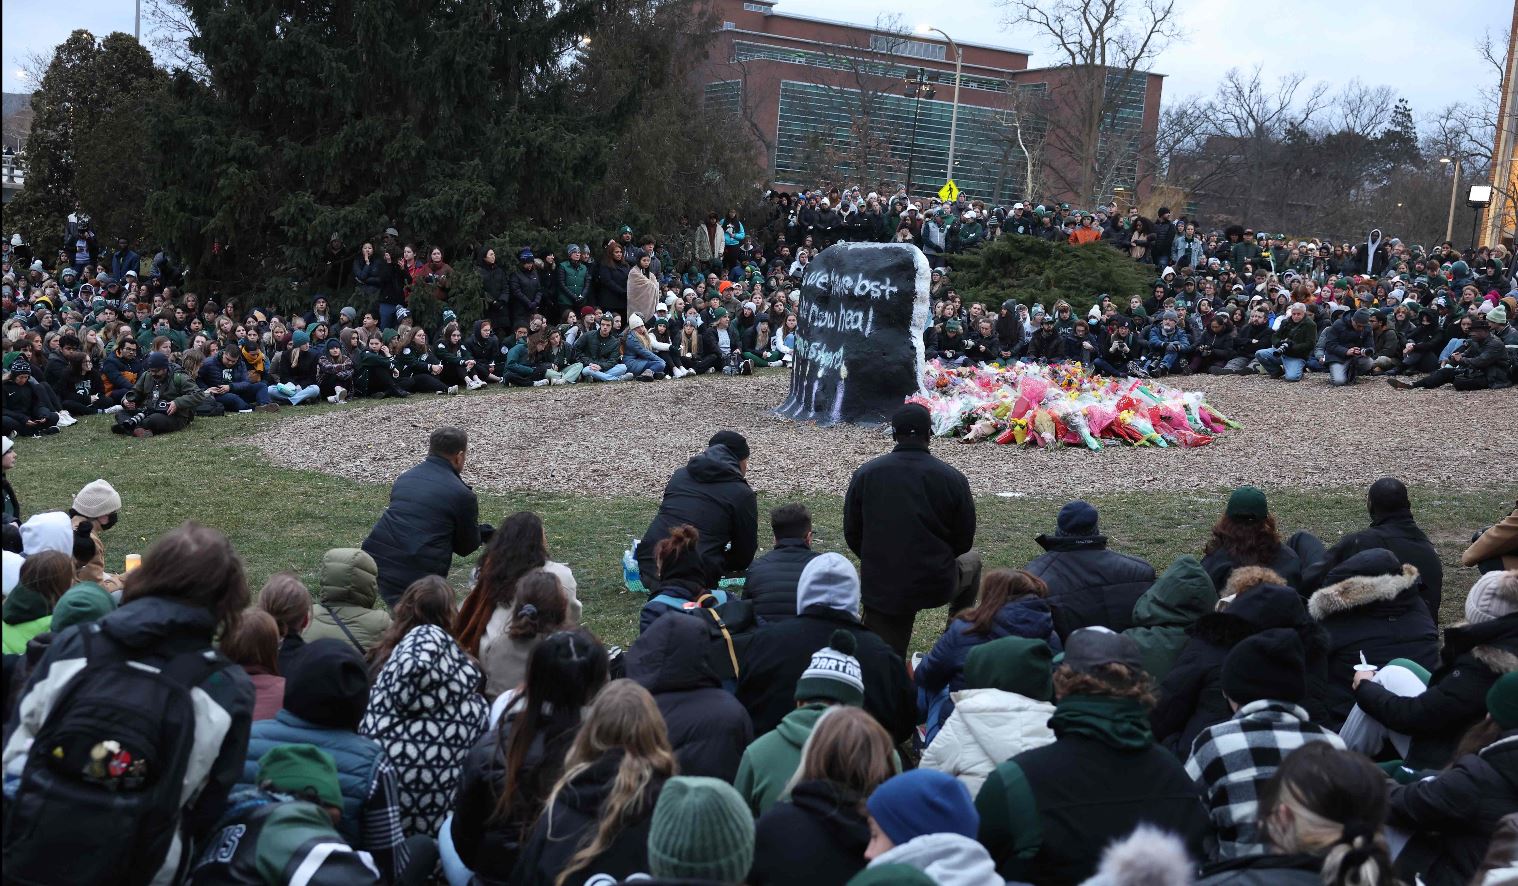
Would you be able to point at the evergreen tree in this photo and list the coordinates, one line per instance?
(88, 145)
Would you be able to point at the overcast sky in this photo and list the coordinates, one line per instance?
(1423, 50)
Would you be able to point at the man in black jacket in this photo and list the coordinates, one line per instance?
(774, 657)
(711, 494)
(432, 516)
(1392, 527)
(910, 519)
(771, 581)
(1478, 365)
(1088, 584)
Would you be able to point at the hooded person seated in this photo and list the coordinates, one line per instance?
(1088, 584)
(711, 494)
(1043, 811)
(1373, 614)
(926, 820)
(774, 657)
(708, 728)
(1003, 710)
(284, 830)
(1164, 614)
(348, 588)
(1264, 680)
(1391, 527)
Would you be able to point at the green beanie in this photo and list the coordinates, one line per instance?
(1012, 664)
(302, 770)
(701, 830)
(83, 603)
(1247, 503)
(1502, 701)
(891, 875)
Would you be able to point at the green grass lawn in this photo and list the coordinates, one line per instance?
(281, 519)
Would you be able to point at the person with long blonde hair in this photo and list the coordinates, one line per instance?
(596, 820)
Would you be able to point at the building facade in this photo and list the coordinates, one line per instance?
(829, 101)
(1499, 221)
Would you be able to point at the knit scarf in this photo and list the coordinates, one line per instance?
(1121, 723)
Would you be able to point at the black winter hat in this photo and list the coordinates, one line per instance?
(912, 421)
(734, 441)
(329, 685)
(1270, 664)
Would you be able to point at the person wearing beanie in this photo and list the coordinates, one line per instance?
(1043, 811)
(284, 827)
(1373, 614)
(1003, 710)
(293, 373)
(571, 279)
(26, 412)
(1264, 679)
(775, 657)
(1169, 345)
(1479, 363)
(162, 400)
(1246, 535)
(701, 831)
(833, 676)
(925, 819)
(1391, 527)
(347, 590)
(1425, 726)
(326, 692)
(1089, 584)
(910, 519)
(1454, 814)
(710, 493)
(1349, 347)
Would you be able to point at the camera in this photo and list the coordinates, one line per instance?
(430, 279)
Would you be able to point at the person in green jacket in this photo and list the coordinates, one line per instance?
(572, 280)
(284, 830)
(349, 586)
(832, 678)
(1164, 613)
(29, 607)
(163, 400)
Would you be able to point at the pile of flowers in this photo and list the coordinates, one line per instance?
(1031, 404)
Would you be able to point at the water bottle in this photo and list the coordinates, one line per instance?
(630, 574)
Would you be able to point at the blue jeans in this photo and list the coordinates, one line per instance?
(232, 402)
(614, 373)
(1273, 363)
(454, 869)
(1340, 374)
(638, 365)
(301, 395)
(258, 390)
(1450, 349)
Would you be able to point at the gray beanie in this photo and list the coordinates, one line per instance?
(1167, 315)
(828, 580)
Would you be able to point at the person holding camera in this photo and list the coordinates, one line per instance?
(1294, 340)
(1477, 365)
(162, 401)
(1349, 347)
(435, 276)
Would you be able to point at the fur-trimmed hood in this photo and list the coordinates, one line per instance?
(1356, 591)
(1243, 578)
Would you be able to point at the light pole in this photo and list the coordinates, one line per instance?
(959, 58)
(137, 23)
(916, 88)
(1454, 186)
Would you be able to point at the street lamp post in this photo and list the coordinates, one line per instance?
(916, 88)
(1454, 186)
(959, 58)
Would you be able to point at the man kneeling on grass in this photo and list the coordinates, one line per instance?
(162, 400)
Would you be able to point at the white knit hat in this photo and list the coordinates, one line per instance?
(634, 321)
(1493, 595)
(97, 500)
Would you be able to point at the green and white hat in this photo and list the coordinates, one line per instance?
(834, 673)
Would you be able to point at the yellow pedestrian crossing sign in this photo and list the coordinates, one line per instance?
(949, 191)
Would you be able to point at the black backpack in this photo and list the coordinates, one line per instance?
(101, 795)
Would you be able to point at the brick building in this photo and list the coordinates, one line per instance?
(827, 100)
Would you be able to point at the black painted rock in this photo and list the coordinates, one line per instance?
(860, 320)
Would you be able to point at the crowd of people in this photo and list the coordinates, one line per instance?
(92, 330)
(1265, 709)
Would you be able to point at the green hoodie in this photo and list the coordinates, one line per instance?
(25, 615)
(771, 760)
(1181, 595)
(1012, 664)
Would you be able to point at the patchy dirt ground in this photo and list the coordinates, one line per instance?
(627, 437)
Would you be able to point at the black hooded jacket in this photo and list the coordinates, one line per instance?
(1191, 695)
(1089, 584)
(1370, 605)
(710, 494)
(820, 829)
(707, 726)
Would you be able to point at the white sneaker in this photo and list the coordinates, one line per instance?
(64, 419)
(542, 382)
(342, 394)
(332, 399)
(244, 412)
(474, 383)
(555, 381)
(111, 410)
(452, 389)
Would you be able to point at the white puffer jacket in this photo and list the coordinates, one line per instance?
(988, 727)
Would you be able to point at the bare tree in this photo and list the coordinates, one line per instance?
(1022, 116)
(1106, 47)
(1250, 118)
(171, 28)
